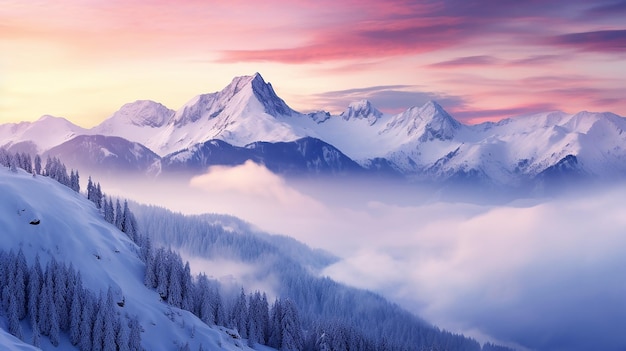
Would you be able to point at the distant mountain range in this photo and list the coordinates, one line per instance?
(248, 121)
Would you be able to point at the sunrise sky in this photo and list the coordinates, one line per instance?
(481, 60)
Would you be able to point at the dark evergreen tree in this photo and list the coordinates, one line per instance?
(109, 212)
(97, 336)
(75, 312)
(109, 317)
(122, 337)
(37, 164)
(34, 290)
(258, 319)
(135, 335)
(55, 330)
(119, 217)
(187, 288)
(239, 315)
(98, 196)
(174, 291)
(86, 324)
(36, 336)
(15, 328)
(75, 181)
(19, 284)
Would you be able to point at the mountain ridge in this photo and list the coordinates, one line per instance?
(424, 143)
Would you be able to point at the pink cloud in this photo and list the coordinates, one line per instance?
(467, 61)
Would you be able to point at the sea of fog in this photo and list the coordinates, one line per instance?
(535, 273)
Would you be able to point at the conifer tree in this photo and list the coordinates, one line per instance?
(36, 337)
(15, 328)
(55, 332)
(119, 217)
(135, 335)
(97, 336)
(86, 324)
(37, 164)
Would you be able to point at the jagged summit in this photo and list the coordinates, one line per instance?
(240, 94)
(267, 96)
(427, 122)
(362, 109)
(441, 126)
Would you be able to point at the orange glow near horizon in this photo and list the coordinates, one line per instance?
(83, 60)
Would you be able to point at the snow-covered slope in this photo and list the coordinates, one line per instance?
(105, 155)
(38, 136)
(424, 142)
(71, 230)
(300, 157)
(138, 121)
(245, 111)
(10, 343)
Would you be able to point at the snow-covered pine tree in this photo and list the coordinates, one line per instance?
(59, 279)
(109, 212)
(55, 330)
(276, 333)
(129, 223)
(135, 335)
(122, 337)
(36, 334)
(97, 336)
(119, 216)
(110, 320)
(286, 329)
(13, 165)
(98, 196)
(75, 311)
(37, 164)
(90, 190)
(174, 291)
(258, 317)
(239, 314)
(15, 328)
(86, 320)
(34, 290)
(19, 284)
(187, 288)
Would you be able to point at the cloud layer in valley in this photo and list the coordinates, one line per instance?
(541, 273)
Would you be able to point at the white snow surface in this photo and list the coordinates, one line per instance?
(10, 343)
(45, 133)
(73, 231)
(421, 140)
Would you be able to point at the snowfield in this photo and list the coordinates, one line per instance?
(72, 231)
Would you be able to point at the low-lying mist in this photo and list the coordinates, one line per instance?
(537, 273)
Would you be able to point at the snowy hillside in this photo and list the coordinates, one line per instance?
(46, 219)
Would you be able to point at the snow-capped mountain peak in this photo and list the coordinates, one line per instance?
(139, 113)
(427, 122)
(36, 137)
(362, 109)
(267, 96)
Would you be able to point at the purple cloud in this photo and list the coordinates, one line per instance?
(479, 60)
(611, 41)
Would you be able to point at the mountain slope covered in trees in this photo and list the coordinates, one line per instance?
(79, 272)
(68, 274)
